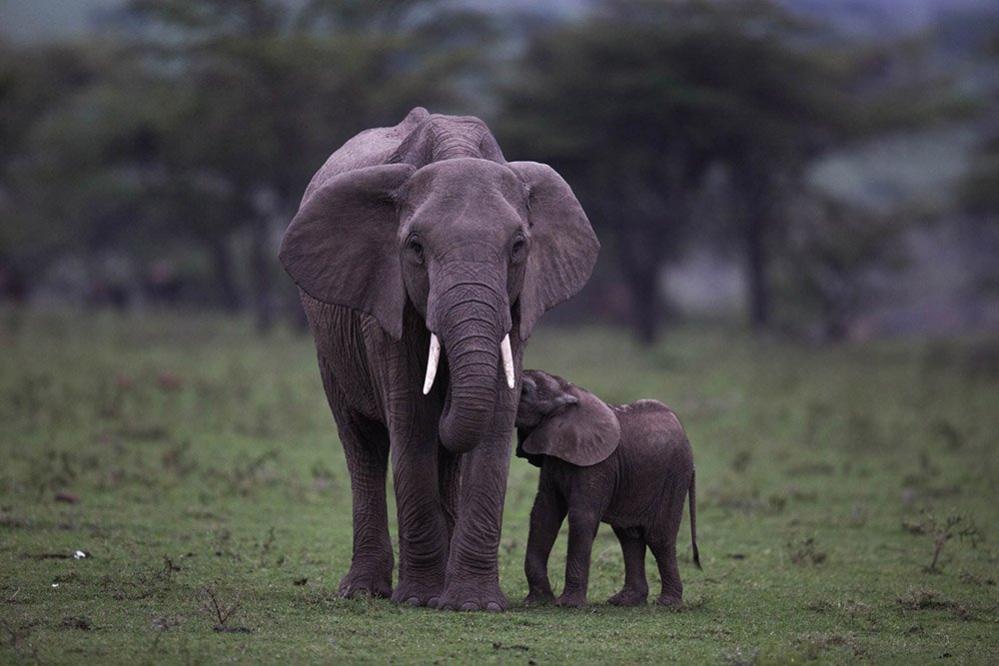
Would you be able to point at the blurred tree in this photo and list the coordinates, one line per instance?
(638, 101)
(979, 193)
(268, 90)
(608, 103)
(203, 122)
(835, 257)
(34, 82)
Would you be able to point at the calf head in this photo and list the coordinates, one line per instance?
(559, 419)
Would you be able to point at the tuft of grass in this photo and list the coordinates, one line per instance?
(185, 455)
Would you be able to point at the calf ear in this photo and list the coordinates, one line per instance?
(583, 434)
(521, 453)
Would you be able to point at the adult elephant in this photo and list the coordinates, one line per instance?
(422, 255)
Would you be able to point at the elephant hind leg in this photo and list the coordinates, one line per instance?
(672, 587)
(636, 587)
(366, 448)
(662, 542)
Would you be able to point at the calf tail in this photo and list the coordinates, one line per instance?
(693, 517)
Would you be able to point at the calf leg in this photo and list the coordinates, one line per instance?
(583, 526)
(672, 589)
(546, 520)
(636, 588)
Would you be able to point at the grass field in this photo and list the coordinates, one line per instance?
(192, 460)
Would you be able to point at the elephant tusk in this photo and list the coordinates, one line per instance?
(432, 360)
(508, 361)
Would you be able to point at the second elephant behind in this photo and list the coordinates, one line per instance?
(627, 465)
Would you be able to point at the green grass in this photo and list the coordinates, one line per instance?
(203, 457)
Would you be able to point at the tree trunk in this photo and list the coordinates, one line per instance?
(756, 271)
(646, 301)
(228, 293)
(640, 274)
(260, 275)
(755, 190)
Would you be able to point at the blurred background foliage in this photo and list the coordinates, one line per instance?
(818, 169)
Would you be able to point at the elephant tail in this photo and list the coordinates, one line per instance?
(693, 516)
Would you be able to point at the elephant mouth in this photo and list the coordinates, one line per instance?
(434, 357)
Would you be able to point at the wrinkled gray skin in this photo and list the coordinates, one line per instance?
(630, 466)
(407, 230)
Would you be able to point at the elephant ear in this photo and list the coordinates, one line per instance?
(522, 436)
(563, 246)
(583, 434)
(341, 247)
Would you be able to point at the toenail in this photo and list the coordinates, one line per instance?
(493, 607)
(469, 606)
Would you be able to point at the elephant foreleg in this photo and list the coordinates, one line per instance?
(449, 480)
(472, 581)
(423, 527)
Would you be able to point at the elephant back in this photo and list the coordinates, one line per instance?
(368, 148)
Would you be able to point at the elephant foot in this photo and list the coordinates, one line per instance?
(412, 593)
(462, 596)
(571, 600)
(669, 601)
(538, 598)
(629, 597)
(365, 582)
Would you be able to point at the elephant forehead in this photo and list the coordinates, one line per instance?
(465, 181)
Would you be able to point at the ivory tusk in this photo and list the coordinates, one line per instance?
(432, 360)
(508, 361)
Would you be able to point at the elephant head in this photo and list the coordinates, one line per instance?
(474, 245)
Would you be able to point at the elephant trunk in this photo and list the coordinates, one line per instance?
(473, 329)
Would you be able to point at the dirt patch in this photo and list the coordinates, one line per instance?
(165, 623)
(922, 599)
(814, 645)
(978, 581)
(12, 522)
(78, 623)
(499, 646)
(806, 552)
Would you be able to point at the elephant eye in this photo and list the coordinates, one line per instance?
(415, 248)
(518, 250)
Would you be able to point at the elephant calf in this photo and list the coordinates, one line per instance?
(628, 465)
